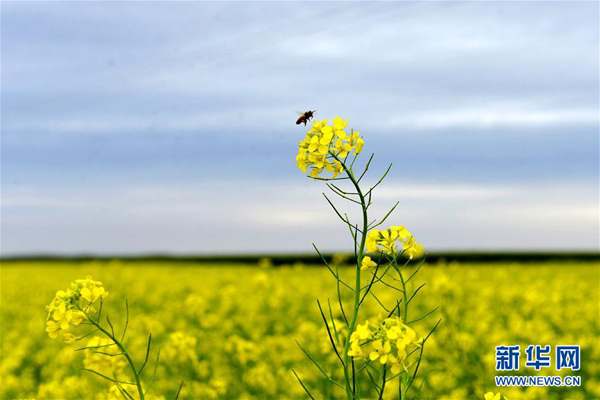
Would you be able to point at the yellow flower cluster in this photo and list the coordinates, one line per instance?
(324, 145)
(492, 396)
(385, 241)
(368, 263)
(69, 307)
(386, 341)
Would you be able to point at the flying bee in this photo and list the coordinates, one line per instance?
(305, 117)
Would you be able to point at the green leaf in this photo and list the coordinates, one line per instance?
(303, 386)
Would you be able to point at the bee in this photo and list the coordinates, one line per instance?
(305, 117)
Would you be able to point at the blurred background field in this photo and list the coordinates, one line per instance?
(229, 330)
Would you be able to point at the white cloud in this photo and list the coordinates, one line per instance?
(488, 118)
(277, 216)
(492, 117)
(441, 191)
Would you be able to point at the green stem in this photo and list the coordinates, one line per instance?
(383, 383)
(349, 393)
(403, 383)
(405, 296)
(138, 383)
(397, 268)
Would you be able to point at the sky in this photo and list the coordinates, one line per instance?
(169, 127)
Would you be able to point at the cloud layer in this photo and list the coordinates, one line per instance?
(132, 126)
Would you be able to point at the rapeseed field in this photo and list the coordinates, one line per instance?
(230, 331)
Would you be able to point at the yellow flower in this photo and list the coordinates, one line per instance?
(318, 125)
(412, 248)
(362, 331)
(385, 241)
(408, 337)
(75, 317)
(318, 163)
(67, 307)
(342, 148)
(69, 338)
(359, 146)
(394, 332)
(315, 172)
(87, 294)
(339, 125)
(318, 160)
(336, 167)
(492, 396)
(59, 314)
(402, 232)
(367, 263)
(302, 164)
(323, 146)
(52, 328)
(316, 146)
(397, 365)
(371, 242)
(380, 351)
(389, 339)
(355, 350)
(89, 289)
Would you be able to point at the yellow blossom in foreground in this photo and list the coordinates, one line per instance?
(325, 146)
(355, 350)
(367, 263)
(69, 338)
(359, 145)
(336, 167)
(342, 148)
(381, 350)
(386, 341)
(412, 248)
(362, 332)
(397, 365)
(69, 307)
(385, 241)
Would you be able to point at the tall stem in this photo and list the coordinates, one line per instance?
(403, 383)
(359, 257)
(405, 316)
(382, 382)
(138, 383)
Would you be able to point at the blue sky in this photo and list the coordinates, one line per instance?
(169, 126)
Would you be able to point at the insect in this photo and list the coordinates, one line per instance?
(305, 117)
